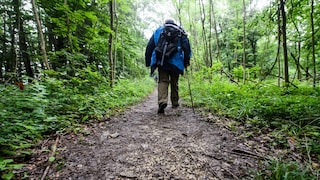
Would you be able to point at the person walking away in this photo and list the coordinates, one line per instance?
(169, 51)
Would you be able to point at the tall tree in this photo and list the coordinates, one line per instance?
(284, 42)
(41, 37)
(244, 42)
(313, 44)
(298, 38)
(110, 52)
(204, 33)
(23, 43)
(11, 62)
(215, 30)
(178, 7)
(210, 35)
(279, 43)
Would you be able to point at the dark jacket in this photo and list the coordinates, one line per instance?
(175, 64)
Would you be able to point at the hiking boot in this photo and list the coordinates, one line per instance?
(162, 106)
(175, 105)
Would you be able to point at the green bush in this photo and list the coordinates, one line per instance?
(55, 104)
(288, 112)
(23, 116)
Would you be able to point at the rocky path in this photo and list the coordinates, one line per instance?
(140, 144)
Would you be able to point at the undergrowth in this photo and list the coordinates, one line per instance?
(288, 112)
(54, 105)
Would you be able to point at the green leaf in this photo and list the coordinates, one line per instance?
(51, 159)
(7, 176)
(85, 118)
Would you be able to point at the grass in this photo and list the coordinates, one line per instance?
(286, 112)
(52, 106)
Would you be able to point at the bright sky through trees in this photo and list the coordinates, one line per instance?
(154, 14)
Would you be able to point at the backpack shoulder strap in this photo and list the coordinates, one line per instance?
(176, 27)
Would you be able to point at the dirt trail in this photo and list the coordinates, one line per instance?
(140, 144)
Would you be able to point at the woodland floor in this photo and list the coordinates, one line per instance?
(140, 144)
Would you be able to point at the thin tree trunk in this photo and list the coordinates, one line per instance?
(41, 37)
(115, 41)
(300, 66)
(11, 61)
(4, 48)
(194, 34)
(23, 46)
(210, 36)
(177, 5)
(204, 34)
(313, 45)
(297, 60)
(251, 39)
(235, 54)
(215, 30)
(284, 43)
(307, 66)
(244, 42)
(68, 29)
(279, 46)
(14, 46)
(71, 69)
(111, 62)
(122, 53)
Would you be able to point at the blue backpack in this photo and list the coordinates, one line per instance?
(168, 41)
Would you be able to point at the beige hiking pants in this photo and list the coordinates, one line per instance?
(166, 78)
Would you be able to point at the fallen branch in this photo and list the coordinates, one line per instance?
(53, 151)
(229, 76)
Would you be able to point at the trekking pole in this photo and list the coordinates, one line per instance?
(187, 76)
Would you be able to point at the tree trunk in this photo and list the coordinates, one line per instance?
(12, 60)
(307, 66)
(41, 37)
(298, 47)
(210, 36)
(177, 5)
(4, 50)
(215, 31)
(284, 43)
(279, 45)
(122, 54)
(204, 34)
(313, 45)
(195, 37)
(111, 62)
(115, 40)
(23, 46)
(253, 45)
(68, 29)
(244, 42)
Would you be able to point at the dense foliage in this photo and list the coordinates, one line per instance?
(259, 67)
(282, 113)
(63, 63)
(52, 106)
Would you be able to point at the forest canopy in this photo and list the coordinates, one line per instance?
(249, 38)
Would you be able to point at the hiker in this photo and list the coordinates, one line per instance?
(170, 57)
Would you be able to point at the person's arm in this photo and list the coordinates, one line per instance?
(187, 50)
(148, 54)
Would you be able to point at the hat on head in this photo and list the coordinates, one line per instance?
(169, 21)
